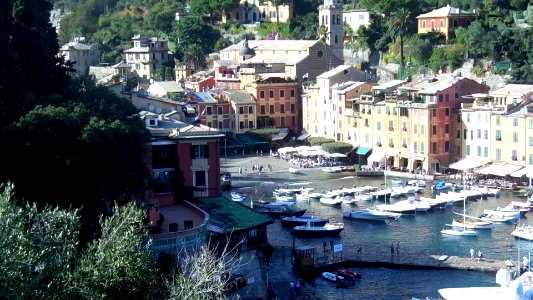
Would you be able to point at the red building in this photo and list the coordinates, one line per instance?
(444, 20)
(227, 78)
(214, 111)
(184, 159)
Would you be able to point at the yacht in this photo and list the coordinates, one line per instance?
(331, 199)
(524, 232)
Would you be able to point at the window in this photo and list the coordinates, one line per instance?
(478, 151)
(391, 126)
(530, 159)
(498, 154)
(486, 152)
(498, 135)
(378, 125)
(220, 125)
(467, 149)
(282, 94)
(422, 147)
(515, 122)
(422, 129)
(447, 111)
(199, 151)
(415, 129)
(531, 141)
(263, 109)
(514, 155)
(465, 134)
(498, 120)
(209, 110)
(515, 136)
(530, 123)
(387, 110)
(199, 178)
(241, 110)
(292, 93)
(209, 124)
(479, 133)
(282, 122)
(432, 23)
(458, 134)
(486, 134)
(441, 23)
(261, 94)
(271, 109)
(293, 108)
(447, 98)
(434, 112)
(468, 118)
(250, 124)
(434, 127)
(446, 146)
(250, 109)
(320, 53)
(423, 23)
(415, 150)
(271, 94)
(471, 134)
(456, 95)
(447, 128)
(455, 23)
(220, 111)
(282, 108)
(434, 151)
(241, 124)
(441, 98)
(293, 121)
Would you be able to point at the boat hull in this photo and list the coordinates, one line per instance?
(299, 221)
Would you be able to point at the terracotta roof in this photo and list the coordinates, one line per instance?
(447, 11)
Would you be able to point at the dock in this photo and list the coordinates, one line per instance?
(401, 261)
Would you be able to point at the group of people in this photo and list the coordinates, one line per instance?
(473, 254)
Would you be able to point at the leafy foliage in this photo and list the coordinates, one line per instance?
(337, 147)
(319, 140)
(192, 30)
(39, 257)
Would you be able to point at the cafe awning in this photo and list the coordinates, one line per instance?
(376, 157)
(303, 136)
(467, 163)
(363, 150)
(506, 170)
(521, 172)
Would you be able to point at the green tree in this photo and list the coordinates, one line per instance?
(29, 41)
(398, 28)
(194, 57)
(193, 30)
(161, 16)
(419, 49)
(337, 147)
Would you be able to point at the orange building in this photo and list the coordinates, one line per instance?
(444, 20)
(276, 96)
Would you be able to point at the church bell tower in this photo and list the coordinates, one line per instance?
(330, 15)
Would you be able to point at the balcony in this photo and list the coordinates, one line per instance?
(514, 158)
(404, 128)
(498, 138)
(391, 145)
(404, 145)
(391, 128)
(378, 144)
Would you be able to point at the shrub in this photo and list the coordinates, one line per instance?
(337, 147)
(317, 141)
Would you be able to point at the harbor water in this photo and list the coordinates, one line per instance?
(419, 236)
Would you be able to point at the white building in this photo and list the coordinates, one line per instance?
(147, 55)
(80, 54)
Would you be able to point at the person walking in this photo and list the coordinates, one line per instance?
(392, 248)
(398, 247)
(472, 253)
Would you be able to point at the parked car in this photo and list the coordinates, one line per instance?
(234, 283)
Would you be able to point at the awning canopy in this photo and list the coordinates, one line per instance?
(521, 172)
(467, 163)
(490, 169)
(363, 150)
(499, 169)
(336, 155)
(303, 136)
(412, 156)
(506, 170)
(287, 150)
(376, 157)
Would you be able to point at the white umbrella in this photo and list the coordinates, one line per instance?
(286, 150)
(336, 155)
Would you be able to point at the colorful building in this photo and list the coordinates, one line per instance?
(320, 106)
(445, 20)
(356, 18)
(252, 11)
(277, 97)
(243, 116)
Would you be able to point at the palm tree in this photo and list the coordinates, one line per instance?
(194, 56)
(399, 27)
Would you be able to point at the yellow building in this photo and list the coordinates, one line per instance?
(252, 11)
(147, 55)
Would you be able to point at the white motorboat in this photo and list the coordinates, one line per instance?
(449, 229)
(309, 230)
(500, 216)
(284, 198)
(237, 197)
(347, 199)
(417, 182)
(315, 195)
(381, 194)
(294, 171)
(524, 232)
(370, 214)
(402, 208)
(332, 169)
(331, 277)
(330, 199)
(519, 288)
(363, 196)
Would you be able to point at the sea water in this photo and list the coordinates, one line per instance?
(419, 236)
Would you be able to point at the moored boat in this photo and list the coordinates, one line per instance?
(302, 220)
(344, 272)
(237, 197)
(308, 230)
(523, 232)
(370, 214)
(331, 277)
(330, 199)
(480, 224)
